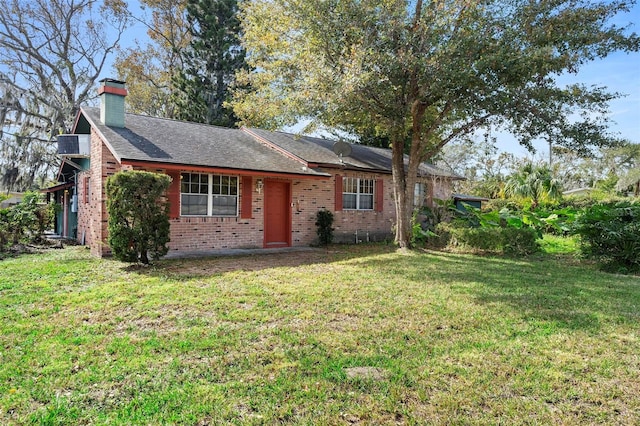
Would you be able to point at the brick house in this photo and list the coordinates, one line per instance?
(231, 188)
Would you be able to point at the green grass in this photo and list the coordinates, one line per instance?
(269, 339)
(556, 245)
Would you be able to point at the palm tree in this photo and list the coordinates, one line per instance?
(534, 182)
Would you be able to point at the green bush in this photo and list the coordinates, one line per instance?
(26, 221)
(324, 222)
(507, 240)
(610, 232)
(426, 219)
(138, 215)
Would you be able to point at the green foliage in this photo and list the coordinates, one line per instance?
(425, 221)
(611, 232)
(324, 222)
(213, 58)
(138, 215)
(559, 245)
(508, 240)
(419, 235)
(425, 75)
(534, 183)
(508, 231)
(556, 221)
(26, 221)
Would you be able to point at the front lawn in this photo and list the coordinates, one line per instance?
(354, 335)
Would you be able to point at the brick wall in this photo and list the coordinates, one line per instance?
(351, 226)
(92, 215)
(308, 196)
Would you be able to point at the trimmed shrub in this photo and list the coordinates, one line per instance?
(324, 222)
(138, 215)
(511, 241)
(610, 232)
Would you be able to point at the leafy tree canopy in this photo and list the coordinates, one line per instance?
(424, 74)
(150, 67)
(535, 183)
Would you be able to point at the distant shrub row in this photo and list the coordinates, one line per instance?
(609, 231)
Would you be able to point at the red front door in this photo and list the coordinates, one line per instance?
(277, 214)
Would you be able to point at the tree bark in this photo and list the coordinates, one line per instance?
(403, 220)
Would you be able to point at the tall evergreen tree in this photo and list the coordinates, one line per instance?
(211, 62)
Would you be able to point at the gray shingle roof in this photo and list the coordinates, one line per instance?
(162, 140)
(320, 151)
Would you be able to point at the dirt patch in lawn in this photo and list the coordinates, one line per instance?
(256, 261)
(372, 373)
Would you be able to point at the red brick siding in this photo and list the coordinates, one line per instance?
(92, 216)
(369, 225)
(205, 233)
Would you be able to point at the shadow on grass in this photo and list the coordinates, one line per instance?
(546, 289)
(258, 261)
(574, 297)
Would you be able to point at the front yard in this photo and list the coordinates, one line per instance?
(354, 335)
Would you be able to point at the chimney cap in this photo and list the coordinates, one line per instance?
(112, 80)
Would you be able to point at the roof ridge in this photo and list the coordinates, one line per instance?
(171, 120)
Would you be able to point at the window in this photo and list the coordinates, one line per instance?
(357, 194)
(208, 195)
(419, 194)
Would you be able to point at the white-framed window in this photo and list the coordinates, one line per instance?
(419, 194)
(203, 194)
(357, 194)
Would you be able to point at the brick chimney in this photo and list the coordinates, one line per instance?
(112, 93)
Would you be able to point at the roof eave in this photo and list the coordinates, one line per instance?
(222, 170)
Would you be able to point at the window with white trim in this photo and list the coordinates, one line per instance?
(203, 194)
(357, 194)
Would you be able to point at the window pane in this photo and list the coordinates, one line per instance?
(194, 183)
(204, 184)
(348, 201)
(193, 205)
(419, 194)
(224, 205)
(349, 185)
(366, 202)
(185, 179)
(366, 186)
(233, 188)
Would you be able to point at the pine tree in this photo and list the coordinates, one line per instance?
(210, 63)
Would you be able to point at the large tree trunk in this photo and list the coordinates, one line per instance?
(403, 190)
(403, 221)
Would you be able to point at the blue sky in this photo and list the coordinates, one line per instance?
(619, 72)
